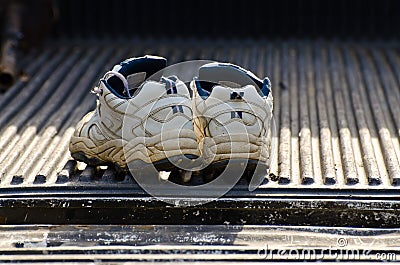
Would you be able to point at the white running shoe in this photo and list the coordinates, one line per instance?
(232, 114)
(137, 120)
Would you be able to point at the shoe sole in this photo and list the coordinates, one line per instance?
(166, 164)
(93, 161)
(163, 151)
(254, 171)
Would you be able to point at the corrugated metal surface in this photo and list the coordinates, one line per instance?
(336, 107)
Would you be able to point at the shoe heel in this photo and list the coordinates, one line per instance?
(235, 146)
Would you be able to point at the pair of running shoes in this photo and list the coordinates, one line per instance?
(144, 118)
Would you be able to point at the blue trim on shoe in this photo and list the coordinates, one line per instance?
(149, 64)
(263, 85)
(112, 90)
(247, 72)
(266, 88)
(204, 94)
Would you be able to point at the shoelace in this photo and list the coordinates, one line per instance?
(98, 90)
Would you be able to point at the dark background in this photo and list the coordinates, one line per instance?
(343, 19)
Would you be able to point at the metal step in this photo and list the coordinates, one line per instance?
(207, 244)
(336, 111)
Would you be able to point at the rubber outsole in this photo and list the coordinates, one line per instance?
(248, 168)
(251, 163)
(93, 161)
(251, 169)
(166, 164)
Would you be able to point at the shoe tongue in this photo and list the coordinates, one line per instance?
(136, 79)
(228, 75)
(229, 84)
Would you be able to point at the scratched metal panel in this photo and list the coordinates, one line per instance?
(205, 244)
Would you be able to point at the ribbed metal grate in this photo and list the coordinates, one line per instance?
(336, 107)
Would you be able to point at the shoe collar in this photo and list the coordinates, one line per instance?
(230, 75)
(117, 82)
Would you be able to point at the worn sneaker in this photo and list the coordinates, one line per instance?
(232, 114)
(137, 120)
